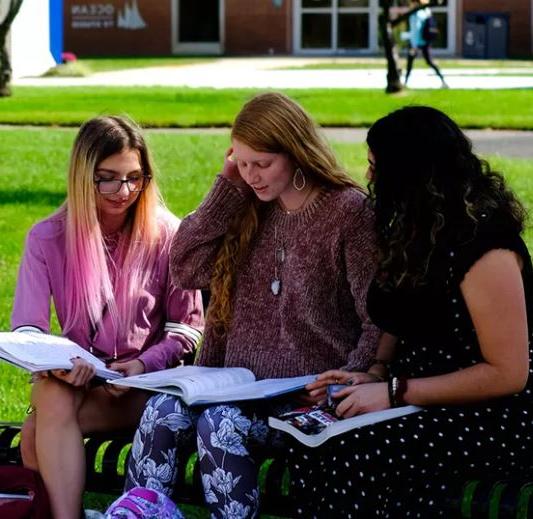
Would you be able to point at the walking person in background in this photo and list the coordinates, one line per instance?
(422, 32)
(103, 258)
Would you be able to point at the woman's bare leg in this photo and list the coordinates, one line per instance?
(89, 411)
(27, 443)
(58, 445)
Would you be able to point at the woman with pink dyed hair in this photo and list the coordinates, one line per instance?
(102, 258)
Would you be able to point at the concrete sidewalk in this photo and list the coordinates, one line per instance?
(507, 143)
(275, 72)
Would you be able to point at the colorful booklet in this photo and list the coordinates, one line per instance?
(197, 385)
(35, 352)
(313, 426)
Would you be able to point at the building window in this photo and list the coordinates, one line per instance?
(333, 26)
(350, 27)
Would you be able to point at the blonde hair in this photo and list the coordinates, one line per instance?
(272, 123)
(88, 286)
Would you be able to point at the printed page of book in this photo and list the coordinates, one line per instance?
(189, 382)
(267, 388)
(314, 426)
(40, 352)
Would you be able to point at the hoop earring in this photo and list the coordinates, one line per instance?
(298, 180)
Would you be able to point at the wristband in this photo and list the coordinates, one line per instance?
(397, 387)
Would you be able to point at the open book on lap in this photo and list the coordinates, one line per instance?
(312, 426)
(197, 385)
(40, 352)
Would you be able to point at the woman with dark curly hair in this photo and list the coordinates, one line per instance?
(453, 291)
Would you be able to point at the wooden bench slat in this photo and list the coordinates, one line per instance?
(487, 499)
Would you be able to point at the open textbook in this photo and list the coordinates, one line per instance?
(314, 425)
(34, 352)
(202, 385)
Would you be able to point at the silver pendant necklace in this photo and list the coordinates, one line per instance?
(279, 258)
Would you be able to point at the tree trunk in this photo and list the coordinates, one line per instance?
(5, 63)
(394, 82)
(5, 73)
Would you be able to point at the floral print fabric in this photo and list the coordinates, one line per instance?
(225, 435)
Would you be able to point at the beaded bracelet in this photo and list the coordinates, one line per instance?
(397, 387)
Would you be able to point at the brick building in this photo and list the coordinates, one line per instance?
(299, 27)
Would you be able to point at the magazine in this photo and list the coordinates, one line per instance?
(35, 352)
(197, 385)
(314, 425)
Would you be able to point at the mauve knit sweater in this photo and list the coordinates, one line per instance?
(318, 321)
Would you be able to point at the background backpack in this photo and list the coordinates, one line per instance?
(430, 30)
(21, 481)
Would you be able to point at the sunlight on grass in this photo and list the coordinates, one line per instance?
(34, 162)
(190, 107)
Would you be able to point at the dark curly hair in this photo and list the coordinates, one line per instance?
(428, 186)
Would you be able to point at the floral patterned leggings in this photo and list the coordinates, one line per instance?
(224, 434)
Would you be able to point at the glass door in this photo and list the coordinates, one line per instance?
(333, 26)
(197, 26)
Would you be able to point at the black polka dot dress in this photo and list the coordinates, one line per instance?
(408, 466)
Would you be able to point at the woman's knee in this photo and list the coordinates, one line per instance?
(226, 422)
(164, 412)
(55, 400)
(27, 443)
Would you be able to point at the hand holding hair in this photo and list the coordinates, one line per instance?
(230, 169)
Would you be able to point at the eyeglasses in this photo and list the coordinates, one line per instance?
(110, 187)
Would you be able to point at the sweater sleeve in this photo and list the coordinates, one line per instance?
(196, 243)
(184, 325)
(33, 292)
(360, 258)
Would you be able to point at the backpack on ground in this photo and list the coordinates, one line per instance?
(430, 30)
(22, 494)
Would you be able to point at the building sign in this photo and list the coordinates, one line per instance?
(130, 17)
(100, 15)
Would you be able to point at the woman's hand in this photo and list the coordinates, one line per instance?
(128, 369)
(337, 376)
(230, 169)
(317, 389)
(363, 398)
(80, 374)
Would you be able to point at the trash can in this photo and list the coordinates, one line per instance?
(485, 35)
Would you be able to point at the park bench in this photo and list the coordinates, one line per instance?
(480, 499)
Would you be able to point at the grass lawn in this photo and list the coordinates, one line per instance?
(185, 107)
(33, 163)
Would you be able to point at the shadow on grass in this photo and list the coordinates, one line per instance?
(31, 196)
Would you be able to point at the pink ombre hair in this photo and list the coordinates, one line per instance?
(89, 289)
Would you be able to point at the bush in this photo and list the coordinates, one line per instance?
(69, 69)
